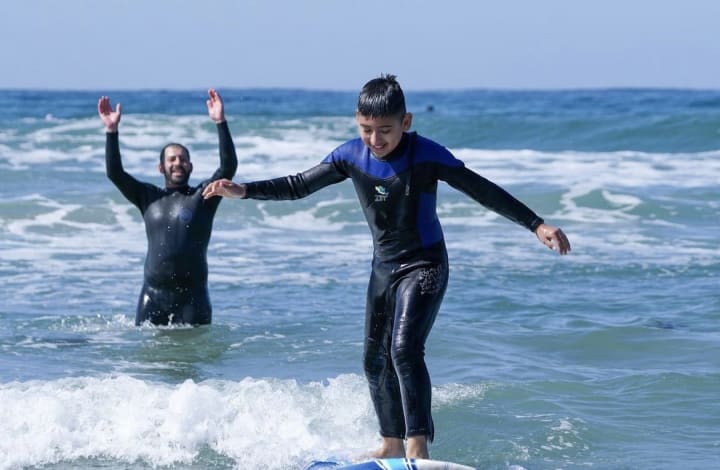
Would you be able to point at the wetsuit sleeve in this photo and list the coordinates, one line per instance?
(489, 195)
(295, 186)
(133, 190)
(228, 157)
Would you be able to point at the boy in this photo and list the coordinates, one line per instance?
(395, 174)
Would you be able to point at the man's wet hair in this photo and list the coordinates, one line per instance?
(173, 144)
(382, 97)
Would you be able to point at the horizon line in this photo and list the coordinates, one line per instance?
(348, 90)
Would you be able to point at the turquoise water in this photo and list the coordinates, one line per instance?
(608, 358)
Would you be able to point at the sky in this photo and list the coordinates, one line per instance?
(341, 44)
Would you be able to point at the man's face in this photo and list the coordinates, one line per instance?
(176, 167)
(382, 134)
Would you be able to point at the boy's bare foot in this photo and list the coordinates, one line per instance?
(417, 448)
(392, 447)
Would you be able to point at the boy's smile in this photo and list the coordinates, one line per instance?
(382, 134)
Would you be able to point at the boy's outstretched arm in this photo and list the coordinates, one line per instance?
(553, 238)
(286, 188)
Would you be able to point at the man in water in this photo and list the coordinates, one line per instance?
(178, 222)
(395, 174)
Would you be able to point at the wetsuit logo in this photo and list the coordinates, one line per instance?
(431, 280)
(185, 215)
(381, 193)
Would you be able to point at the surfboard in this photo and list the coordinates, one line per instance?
(388, 464)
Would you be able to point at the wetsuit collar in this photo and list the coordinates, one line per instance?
(177, 189)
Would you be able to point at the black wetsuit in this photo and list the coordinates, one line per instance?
(409, 268)
(178, 222)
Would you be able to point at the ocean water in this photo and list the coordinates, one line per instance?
(608, 358)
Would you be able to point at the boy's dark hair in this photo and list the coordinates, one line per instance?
(173, 144)
(382, 97)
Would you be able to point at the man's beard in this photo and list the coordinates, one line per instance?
(179, 180)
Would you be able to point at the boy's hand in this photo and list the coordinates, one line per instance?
(224, 188)
(553, 238)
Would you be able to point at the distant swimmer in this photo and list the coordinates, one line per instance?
(178, 222)
(396, 174)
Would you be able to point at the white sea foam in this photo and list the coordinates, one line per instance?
(127, 419)
(599, 169)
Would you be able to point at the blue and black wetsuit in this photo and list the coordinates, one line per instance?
(410, 266)
(178, 222)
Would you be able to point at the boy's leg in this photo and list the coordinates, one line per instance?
(379, 370)
(417, 301)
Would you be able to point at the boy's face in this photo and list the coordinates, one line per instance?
(382, 134)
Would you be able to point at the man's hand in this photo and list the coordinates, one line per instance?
(216, 109)
(553, 238)
(225, 188)
(110, 118)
